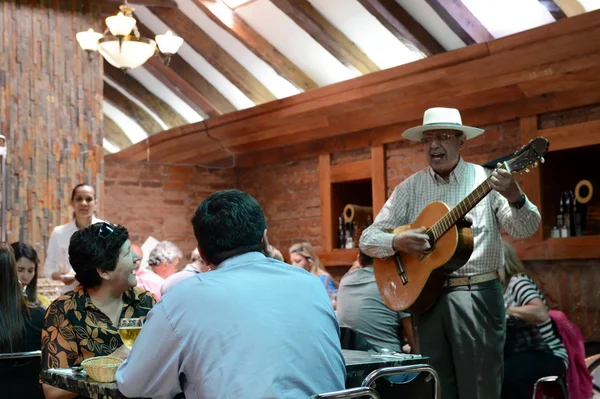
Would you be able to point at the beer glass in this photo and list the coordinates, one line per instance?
(129, 329)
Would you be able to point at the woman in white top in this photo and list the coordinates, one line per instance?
(83, 201)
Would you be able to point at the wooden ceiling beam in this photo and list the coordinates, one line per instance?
(163, 110)
(181, 78)
(402, 25)
(264, 50)
(204, 45)
(131, 109)
(554, 9)
(327, 35)
(571, 8)
(462, 22)
(114, 134)
(147, 3)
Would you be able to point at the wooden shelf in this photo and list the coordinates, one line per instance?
(339, 257)
(586, 247)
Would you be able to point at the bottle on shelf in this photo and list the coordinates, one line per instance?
(566, 228)
(341, 234)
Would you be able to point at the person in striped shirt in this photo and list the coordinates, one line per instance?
(532, 349)
(463, 331)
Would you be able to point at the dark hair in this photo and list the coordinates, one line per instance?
(228, 223)
(364, 259)
(24, 250)
(81, 185)
(14, 312)
(95, 247)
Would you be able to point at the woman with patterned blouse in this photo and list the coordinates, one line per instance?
(84, 323)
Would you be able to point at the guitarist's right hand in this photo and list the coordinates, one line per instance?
(413, 241)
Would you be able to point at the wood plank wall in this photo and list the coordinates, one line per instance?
(50, 112)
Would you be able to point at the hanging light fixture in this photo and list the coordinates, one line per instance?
(121, 44)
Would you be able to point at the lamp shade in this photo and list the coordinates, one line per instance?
(120, 25)
(131, 53)
(169, 43)
(88, 40)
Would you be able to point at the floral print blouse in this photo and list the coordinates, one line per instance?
(76, 330)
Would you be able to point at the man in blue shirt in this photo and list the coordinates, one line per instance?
(252, 327)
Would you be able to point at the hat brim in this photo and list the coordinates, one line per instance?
(416, 133)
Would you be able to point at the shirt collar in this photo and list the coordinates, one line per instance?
(240, 259)
(455, 176)
(130, 298)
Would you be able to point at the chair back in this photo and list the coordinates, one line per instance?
(349, 393)
(369, 381)
(551, 387)
(353, 340)
(19, 375)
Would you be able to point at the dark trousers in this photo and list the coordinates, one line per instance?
(523, 369)
(463, 333)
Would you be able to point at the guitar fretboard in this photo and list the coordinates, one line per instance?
(459, 211)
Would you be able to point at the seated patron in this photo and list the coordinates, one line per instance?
(27, 269)
(195, 266)
(361, 308)
(164, 258)
(304, 255)
(84, 323)
(252, 327)
(533, 348)
(146, 279)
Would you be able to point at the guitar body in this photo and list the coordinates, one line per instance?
(427, 273)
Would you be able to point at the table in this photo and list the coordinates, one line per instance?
(358, 365)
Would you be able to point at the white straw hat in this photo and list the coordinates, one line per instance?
(441, 118)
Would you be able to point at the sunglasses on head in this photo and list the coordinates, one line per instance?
(106, 229)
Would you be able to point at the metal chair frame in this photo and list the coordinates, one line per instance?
(550, 378)
(20, 355)
(415, 368)
(349, 393)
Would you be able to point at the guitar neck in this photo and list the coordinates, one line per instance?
(460, 210)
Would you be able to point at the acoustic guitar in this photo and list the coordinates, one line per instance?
(413, 282)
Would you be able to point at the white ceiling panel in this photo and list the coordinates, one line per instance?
(431, 21)
(110, 147)
(293, 42)
(358, 25)
(132, 129)
(590, 5)
(161, 91)
(506, 17)
(210, 73)
(277, 85)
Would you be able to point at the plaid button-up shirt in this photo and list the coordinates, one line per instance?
(415, 193)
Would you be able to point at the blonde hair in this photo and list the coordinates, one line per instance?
(309, 253)
(512, 264)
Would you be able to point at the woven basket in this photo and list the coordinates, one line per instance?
(102, 368)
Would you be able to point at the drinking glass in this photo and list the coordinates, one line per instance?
(129, 329)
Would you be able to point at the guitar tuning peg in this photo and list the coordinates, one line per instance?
(527, 170)
(535, 164)
(542, 159)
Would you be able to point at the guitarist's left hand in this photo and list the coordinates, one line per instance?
(505, 183)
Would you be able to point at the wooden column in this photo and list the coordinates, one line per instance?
(325, 189)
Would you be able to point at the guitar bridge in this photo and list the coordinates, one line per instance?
(400, 270)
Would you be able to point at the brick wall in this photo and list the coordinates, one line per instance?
(51, 107)
(159, 200)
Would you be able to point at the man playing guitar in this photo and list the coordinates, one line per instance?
(463, 331)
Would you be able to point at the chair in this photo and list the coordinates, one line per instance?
(19, 375)
(349, 393)
(551, 387)
(369, 381)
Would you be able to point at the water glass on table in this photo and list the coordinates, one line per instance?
(129, 329)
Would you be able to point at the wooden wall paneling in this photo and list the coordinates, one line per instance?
(163, 110)
(359, 170)
(379, 178)
(325, 191)
(147, 3)
(239, 29)
(573, 136)
(403, 26)
(131, 109)
(202, 43)
(462, 22)
(327, 35)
